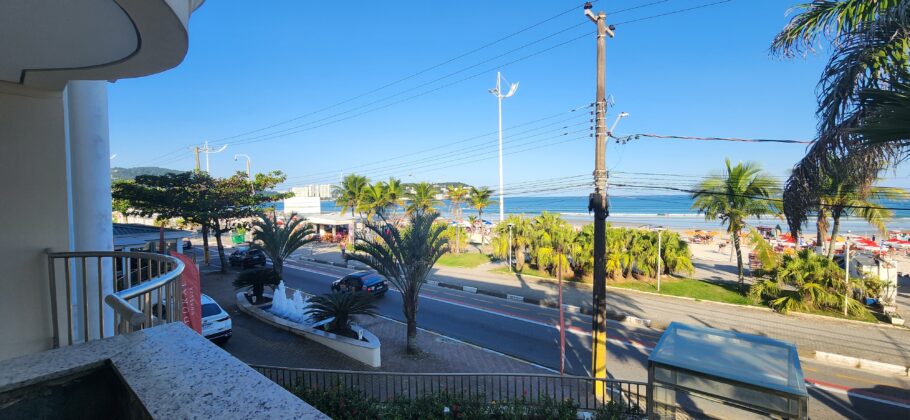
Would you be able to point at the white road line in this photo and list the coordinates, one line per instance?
(858, 395)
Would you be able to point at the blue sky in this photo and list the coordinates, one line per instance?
(705, 72)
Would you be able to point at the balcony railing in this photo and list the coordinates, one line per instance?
(141, 289)
(386, 386)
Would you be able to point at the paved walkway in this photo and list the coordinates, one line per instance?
(874, 342)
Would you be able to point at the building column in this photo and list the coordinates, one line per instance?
(90, 183)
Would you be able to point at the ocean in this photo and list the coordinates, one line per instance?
(671, 211)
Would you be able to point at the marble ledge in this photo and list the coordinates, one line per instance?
(174, 372)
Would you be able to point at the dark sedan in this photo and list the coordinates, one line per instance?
(361, 281)
(246, 257)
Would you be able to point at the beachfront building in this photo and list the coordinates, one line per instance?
(57, 274)
(136, 237)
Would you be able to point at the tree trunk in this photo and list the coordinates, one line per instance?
(739, 259)
(834, 229)
(278, 266)
(221, 258)
(519, 258)
(821, 226)
(410, 315)
(205, 244)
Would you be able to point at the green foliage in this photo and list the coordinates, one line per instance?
(280, 241)
(349, 195)
(480, 199)
(869, 41)
(404, 256)
(614, 410)
(341, 403)
(732, 196)
(466, 260)
(256, 280)
(340, 306)
(422, 199)
(807, 281)
(128, 174)
(457, 237)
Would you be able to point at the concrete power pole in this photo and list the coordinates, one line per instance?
(196, 152)
(598, 203)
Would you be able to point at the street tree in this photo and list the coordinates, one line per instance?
(405, 257)
(279, 241)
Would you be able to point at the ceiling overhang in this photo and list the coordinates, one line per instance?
(45, 43)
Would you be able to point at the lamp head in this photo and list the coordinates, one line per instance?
(588, 5)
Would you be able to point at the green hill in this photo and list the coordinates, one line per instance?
(118, 174)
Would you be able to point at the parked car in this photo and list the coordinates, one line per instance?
(246, 257)
(216, 323)
(361, 281)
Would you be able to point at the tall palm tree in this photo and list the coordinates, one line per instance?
(374, 199)
(456, 194)
(394, 195)
(868, 40)
(561, 238)
(522, 235)
(349, 195)
(423, 198)
(404, 257)
(280, 241)
(741, 191)
(480, 199)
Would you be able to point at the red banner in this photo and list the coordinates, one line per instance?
(192, 293)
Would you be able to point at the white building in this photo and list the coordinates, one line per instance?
(323, 191)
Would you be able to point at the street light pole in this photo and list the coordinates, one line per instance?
(598, 204)
(249, 174)
(208, 150)
(497, 92)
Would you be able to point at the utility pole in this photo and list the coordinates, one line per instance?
(497, 92)
(598, 203)
(196, 152)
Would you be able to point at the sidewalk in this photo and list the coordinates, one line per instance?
(873, 342)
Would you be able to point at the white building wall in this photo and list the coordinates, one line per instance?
(34, 214)
(302, 205)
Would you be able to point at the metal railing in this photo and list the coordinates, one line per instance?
(386, 386)
(141, 289)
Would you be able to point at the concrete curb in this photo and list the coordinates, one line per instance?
(863, 364)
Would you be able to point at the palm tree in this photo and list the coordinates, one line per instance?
(741, 191)
(340, 307)
(457, 194)
(256, 280)
(480, 199)
(404, 257)
(522, 234)
(394, 195)
(561, 238)
(279, 242)
(868, 40)
(349, 194)
(374, 199)
(841, 196)
(423, 198)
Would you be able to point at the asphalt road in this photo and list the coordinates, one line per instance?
(530, 333)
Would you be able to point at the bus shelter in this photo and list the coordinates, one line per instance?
(698, 372)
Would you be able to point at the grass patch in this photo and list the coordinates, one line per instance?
(532, 272)
(864, 316)
(697, 289)
(467, 260)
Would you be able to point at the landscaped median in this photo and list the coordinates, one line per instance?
(366, 350)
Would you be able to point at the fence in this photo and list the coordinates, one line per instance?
(385, 386)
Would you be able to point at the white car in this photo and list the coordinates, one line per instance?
(216, 323)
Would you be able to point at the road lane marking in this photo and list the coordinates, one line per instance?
(858, 393)
(882, 399)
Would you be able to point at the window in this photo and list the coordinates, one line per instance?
(210, 309)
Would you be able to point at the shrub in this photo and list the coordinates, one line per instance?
(340, 306)
(256, 280)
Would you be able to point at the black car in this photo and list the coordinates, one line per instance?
(246, 257)
(361, 281)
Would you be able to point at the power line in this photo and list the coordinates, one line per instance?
(688, 9)
(627, 138)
